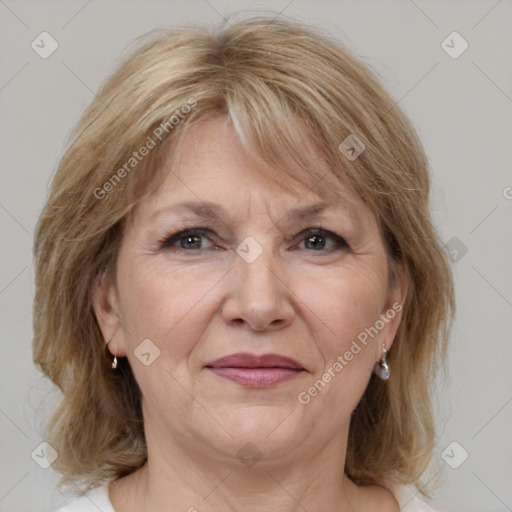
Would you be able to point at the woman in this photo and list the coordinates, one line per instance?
(240, 293)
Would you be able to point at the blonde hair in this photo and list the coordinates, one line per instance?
(293, 96)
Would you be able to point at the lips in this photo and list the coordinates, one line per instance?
(252, 370)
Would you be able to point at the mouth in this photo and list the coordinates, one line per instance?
(256, 371)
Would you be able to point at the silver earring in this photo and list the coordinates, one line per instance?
(381, 369)
(114, 362)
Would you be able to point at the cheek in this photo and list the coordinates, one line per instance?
(172, 309)
(168, 307)
(339, 312)
(347, 303)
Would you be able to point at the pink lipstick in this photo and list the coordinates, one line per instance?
(256, 371)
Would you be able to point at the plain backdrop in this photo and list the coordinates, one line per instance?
(461, 106)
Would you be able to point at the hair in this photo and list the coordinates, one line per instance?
(293, 95)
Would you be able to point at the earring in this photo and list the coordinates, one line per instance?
(114, 362)
(381, 369)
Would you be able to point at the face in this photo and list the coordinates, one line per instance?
(263, 311)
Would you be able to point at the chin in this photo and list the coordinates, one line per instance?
(261, 432)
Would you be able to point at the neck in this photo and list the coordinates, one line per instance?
(192, 482)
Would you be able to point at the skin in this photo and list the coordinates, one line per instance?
(305, 298)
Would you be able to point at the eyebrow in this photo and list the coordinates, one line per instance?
(213, 211)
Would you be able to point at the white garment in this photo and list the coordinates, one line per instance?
(98, 501)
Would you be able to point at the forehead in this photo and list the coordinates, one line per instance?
(211, 167)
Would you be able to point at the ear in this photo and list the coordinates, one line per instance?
(392, 310)
(105, 305)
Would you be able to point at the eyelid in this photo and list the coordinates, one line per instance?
(341, 241)
(167, 241)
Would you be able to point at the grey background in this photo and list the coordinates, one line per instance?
(462, 109)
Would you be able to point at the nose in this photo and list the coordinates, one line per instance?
(259, 296)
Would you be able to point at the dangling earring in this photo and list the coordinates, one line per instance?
(381, 369)
(114, 362)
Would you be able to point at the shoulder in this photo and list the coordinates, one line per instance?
(410, 500)
(95, 500)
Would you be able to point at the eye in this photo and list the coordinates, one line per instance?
(317, 239)
(190, 240)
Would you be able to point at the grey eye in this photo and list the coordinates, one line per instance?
(315, 242)
(191, 242)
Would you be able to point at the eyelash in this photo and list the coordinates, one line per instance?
(169, 241)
